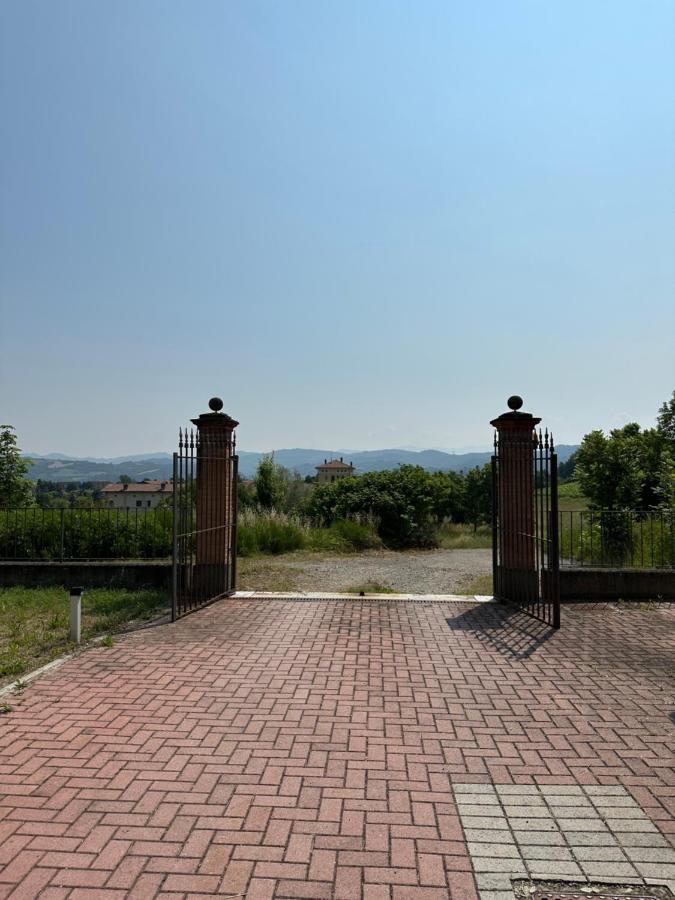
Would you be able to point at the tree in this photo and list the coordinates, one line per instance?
(566, 470)
(665, 420)
(126, 479)
(15, 488)
(478, 495)
(271, 484)
(403, 501)
(624, 470)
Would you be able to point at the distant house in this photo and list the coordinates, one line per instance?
(136, 495)
(333, 471)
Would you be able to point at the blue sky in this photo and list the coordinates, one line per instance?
(363, 224)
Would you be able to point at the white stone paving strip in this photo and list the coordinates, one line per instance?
(388, 598)
(553, 832)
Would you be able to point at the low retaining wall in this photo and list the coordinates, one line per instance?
(87, 574)
(616, 584)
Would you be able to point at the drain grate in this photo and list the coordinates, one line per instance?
(574, 895)
(563, 890)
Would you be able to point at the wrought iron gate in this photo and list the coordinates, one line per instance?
(525, 525)
(205, 476)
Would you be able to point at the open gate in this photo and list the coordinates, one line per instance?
(205, 476)
(525, 517)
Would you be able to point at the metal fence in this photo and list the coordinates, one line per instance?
(641, 539)
(90, 533)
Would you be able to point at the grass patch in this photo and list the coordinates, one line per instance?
(257, 573)
(481, 584)
(34, 622)
(370, 587)
(571, 497)
(453, 536)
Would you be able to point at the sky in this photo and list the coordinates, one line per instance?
(363, 223)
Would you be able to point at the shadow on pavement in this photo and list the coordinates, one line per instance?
(504, 628)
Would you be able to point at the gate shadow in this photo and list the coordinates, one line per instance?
(504, 628)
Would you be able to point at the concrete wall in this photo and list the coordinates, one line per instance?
(585, 583)
(87, 574)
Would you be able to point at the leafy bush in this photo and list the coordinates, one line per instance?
(407, 503)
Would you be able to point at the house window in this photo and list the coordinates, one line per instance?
(139, 503)
(149, 502)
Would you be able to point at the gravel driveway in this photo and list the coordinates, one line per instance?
(416, 571)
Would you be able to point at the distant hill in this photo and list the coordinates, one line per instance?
(298, 460)
(49, 469)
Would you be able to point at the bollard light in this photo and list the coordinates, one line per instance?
(75, 613)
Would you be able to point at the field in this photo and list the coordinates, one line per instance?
(570, 497)
(34, 622)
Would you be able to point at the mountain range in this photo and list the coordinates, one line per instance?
(60, 467)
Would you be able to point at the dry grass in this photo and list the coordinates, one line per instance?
(370, 587)
(481, 584)
(256, 573)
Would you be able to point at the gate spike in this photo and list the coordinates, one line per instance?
(551, 439)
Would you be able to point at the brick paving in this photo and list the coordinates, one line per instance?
(271, 748)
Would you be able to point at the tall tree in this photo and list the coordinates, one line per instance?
(665, 420)
(479, 495)
(15, 488)
(271, 484)
(625, 469)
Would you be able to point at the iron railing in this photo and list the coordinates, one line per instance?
(88, 533)
(608, 538)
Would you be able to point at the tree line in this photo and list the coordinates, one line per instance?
(630, 468)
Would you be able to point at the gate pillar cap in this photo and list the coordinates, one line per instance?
(216, 418)
(515, 419)
(220, 420)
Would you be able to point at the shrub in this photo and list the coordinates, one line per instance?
(403, 501)
(356, 534)
(269, 532)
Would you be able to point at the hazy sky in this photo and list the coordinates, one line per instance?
(363, 224)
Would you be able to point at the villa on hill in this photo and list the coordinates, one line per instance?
(136, 495)
(333, 471)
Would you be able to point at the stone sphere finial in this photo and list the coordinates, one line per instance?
(215, 404)
(514, 402)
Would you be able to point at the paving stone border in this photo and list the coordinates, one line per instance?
(576, 833)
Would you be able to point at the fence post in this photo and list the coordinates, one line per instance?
(174, 541)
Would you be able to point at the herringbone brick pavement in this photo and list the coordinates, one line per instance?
(267, 749)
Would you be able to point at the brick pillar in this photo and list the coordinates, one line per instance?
(515, 443)
(215, 501)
